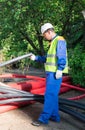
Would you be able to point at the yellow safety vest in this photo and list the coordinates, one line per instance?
(51, 61)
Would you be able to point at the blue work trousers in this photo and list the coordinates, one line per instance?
(51, 105)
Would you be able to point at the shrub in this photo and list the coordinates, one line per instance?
(77, 65)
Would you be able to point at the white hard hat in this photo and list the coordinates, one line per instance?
(45, 27)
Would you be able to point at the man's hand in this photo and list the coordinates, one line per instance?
(33, 57)
(58, 74)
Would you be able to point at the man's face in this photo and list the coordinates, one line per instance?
(47, 35)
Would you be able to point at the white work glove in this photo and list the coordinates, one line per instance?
(58, 74)
(33, 57)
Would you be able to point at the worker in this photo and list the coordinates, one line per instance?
(55, 65)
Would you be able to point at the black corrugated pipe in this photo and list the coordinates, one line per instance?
(72, 103)
(19, 93)
(61, 107)
(12, 92)
(29, 95)
(72, 112)
(20, 96)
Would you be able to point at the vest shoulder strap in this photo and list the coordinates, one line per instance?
(60, 38)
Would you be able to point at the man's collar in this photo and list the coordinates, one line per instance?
(54, 37)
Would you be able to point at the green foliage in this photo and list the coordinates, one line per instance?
(24, 18)
(20, 22)
(77, 65)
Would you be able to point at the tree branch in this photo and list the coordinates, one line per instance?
(40, 41)
(30, 41)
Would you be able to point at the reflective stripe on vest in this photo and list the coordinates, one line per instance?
(51, 61)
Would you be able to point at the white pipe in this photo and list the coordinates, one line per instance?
(15, 59)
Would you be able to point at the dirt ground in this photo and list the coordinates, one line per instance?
(21, 118)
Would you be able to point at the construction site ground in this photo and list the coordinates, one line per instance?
(21, 118)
